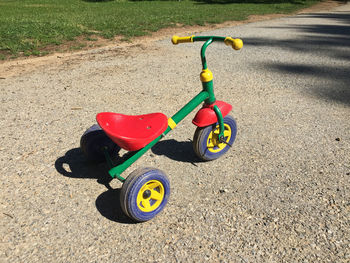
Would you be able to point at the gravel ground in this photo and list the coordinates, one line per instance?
(282, 194)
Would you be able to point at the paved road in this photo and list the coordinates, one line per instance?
(282, 194)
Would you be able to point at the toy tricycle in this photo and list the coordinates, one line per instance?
(145, 191)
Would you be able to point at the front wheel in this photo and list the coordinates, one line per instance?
(206, 142)
(144, 194)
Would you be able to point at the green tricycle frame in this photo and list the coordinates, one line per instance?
(145, 192)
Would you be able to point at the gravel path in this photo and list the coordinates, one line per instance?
(282, 194)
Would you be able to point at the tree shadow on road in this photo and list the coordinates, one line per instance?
(339, 90)
(322, 40)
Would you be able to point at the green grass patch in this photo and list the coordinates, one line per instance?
(78, 47)
(28, 26)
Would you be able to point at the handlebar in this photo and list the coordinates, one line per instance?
(236, 43)
(177, 40)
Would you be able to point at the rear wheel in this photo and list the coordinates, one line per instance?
(94, 141)
(144, 194)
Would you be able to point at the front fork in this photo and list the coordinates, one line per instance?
(221, 123)
(206, 77)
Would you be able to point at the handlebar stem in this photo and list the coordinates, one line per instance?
(203, 49)
(207, 81)
(208, 40)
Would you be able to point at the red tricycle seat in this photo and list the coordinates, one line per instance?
(132, 132)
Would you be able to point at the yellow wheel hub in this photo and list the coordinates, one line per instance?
(213, 143)
(150, 196)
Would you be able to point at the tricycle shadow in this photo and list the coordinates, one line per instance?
(74, 165)
(108, 204)
(178, 151)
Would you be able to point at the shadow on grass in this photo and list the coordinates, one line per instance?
(326, 40)
(295, 2)
(223, 2)
(226, 1)
(97, 1)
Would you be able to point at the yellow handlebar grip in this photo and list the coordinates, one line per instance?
(236, 43)
(176, 40)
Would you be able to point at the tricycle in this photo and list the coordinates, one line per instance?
(145, 191)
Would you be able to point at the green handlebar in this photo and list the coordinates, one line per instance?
(177, 40)
(236, 43)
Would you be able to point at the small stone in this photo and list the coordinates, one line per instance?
(337, 139)
(223, 191)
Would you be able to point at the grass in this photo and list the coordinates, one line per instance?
(28, 27)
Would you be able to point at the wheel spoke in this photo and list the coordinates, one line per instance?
(146, 204)
(227, 133)
(217, 131)
(151, 186)
(211, 144)
(221, 146)
(156, 196)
